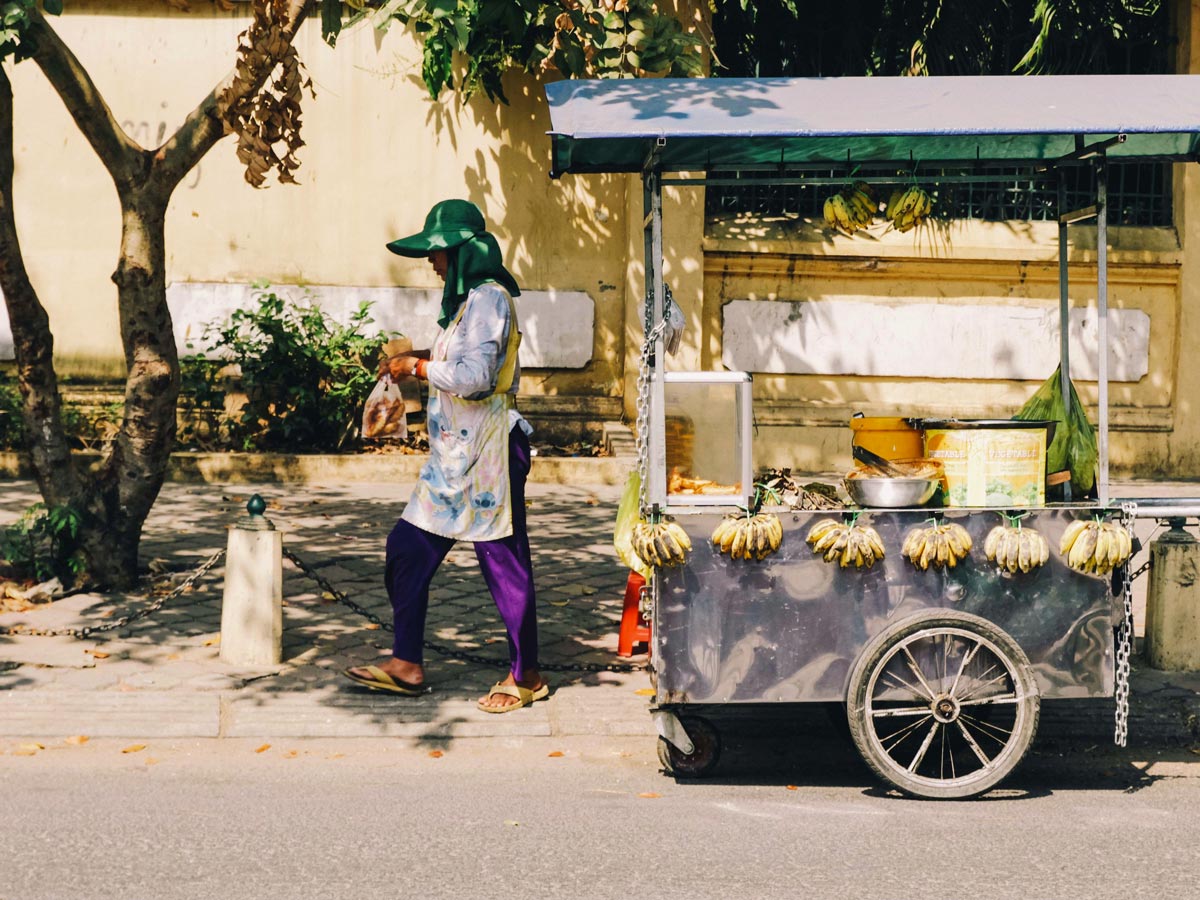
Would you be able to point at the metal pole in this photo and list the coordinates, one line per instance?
(1102, 322)
(1064, 310)
(653, 233)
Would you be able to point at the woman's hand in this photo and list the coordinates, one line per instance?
(399, 365)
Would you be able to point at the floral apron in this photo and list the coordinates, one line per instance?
(463, 490)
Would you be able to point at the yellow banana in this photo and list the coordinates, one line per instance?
(1069, 537)
(992, 542)
(822, 527)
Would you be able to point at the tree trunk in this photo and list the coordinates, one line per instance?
(115, 497)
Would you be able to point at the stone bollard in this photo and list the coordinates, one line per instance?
(252, 608)
(1173, 601)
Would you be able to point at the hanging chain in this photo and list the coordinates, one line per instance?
(88, 630)
(1124, 640)
(642, 435)
(462, 655)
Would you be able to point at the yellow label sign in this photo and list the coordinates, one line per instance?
(991, 467)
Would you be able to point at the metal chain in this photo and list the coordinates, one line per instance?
(642, 435)
(88, 630)
(1124, 641)
(462, 655)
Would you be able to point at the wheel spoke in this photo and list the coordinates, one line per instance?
(912, 766)
(900, 683)
(992, 701)
(962, 667)
(900, 711)
(916, 670)
(983, 757)
(899, 735)
(979, 687)
(995, 732)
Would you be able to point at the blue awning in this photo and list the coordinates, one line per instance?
(712, 123)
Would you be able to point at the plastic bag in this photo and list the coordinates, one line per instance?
(1074, 445)
(628, 515)
(676, 322)
(384, 418)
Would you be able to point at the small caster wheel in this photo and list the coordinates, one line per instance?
(706, 752)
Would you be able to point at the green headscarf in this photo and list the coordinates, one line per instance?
(457, 227)
(473, 263)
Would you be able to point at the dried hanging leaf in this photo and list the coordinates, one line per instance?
(133, 748)
(77, 739)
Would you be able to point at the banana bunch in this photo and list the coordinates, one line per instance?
(908, 208)
(939, 546)
(852, 208)
(857, 545)
(1095, 547)
(749, 537)
(664, 544)
(1016, 549)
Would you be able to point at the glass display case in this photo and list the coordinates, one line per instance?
(708, 438)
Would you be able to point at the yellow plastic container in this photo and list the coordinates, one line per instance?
(990, 466)
(889, 436)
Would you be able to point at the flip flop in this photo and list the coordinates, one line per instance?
(382, 681)
(523, 696)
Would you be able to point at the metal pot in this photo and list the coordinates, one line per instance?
(891, 493)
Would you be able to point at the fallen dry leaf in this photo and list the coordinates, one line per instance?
(436, 754)
(645, 692)
(372, 626)
(650, 795)
(77, 739)
(513, 823)
(291, 754)
(32, 747)
(792, 787)
(99, 654)
(263, 749)
(555, 753)
(336, 756)
(559, 602)
(328, 597)
(133, 748)
(212, 642)
(19, 752)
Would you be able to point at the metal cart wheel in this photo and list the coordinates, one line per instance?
(943, 705)
(706, 742)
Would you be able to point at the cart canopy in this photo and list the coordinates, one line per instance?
(740, 123)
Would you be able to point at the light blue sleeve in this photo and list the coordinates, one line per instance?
(477, 350)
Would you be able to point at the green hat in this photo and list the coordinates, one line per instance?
(449, 224)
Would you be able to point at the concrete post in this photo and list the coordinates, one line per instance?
(252, 608)
(1173, 601)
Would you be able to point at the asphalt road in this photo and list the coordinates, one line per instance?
(790, 812)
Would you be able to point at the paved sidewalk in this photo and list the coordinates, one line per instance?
(162, 676)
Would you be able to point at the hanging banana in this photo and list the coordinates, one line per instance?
(908, 208)
(943, 545)
(846, 544)
(1095, 547)
(662, 545)
(1016, 549)
(748, 537)
(851, 209)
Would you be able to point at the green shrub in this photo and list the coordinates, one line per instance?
(43, 544)
(304, 376)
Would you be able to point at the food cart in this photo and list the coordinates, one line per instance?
(941, 668)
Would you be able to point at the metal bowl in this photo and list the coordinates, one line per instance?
(891, 493)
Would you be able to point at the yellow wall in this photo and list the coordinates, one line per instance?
(378, 154)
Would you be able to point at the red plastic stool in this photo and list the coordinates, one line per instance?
(634, 628)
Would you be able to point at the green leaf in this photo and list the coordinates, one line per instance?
(53, 7)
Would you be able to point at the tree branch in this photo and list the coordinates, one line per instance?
(120, 155)
(202, 128)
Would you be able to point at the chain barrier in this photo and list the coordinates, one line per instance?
(1124, 640)
(450, 652)
(88, 630)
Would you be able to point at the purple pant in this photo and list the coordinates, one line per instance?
(413, 555)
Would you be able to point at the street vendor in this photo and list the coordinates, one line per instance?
(473, 486)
